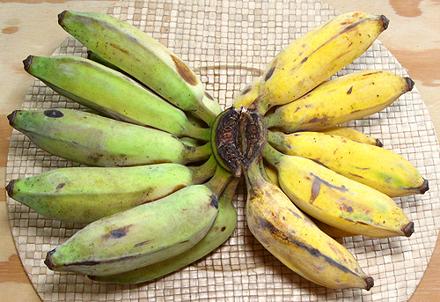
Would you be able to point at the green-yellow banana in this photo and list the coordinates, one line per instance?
(112, 93)
(354, 135)
(376, 167)
(141, 56)
(338, 101)
(143, 235)
(85, 194)
(336, 200)
(293, 238)
(98, 141)
(220, 231)
(315, 57)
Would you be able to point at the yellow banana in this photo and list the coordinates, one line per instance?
(376, 167)
(338, 101)
(248, 95)
(271, 174)
(293, 238)
(315, 57)
(354, 135)
(330, 230)
(337, 200)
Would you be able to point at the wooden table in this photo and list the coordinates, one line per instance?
(30, 27)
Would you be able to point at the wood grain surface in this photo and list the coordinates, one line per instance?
(30, 27)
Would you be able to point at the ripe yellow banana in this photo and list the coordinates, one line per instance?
(315, 57)
(338, 101)
(98, 141)
(248, 95)
(85, 194)
(220, 231)
(376, 167)
(293, 238)
(331, 230)
(141, 56)
(337, 200)
(112, 93)
(354, 135)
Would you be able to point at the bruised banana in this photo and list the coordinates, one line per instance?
(220, 231)
(143, 235)
(111, 92)
(338, 101)
(337, 200)
(85, 194)
(354, 135)
(315, 57)
(376, 167)
(140, 56)
(294, 240)
(98, 141)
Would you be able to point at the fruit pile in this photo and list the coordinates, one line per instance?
(166, 160)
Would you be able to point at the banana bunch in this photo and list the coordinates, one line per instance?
(164, 160)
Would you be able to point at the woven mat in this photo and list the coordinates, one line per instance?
(228, 44)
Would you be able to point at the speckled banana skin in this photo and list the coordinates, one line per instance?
(376, 167)
(354, 135)
(294, 240)
(314, 58)
(337, 200)
(341, 100)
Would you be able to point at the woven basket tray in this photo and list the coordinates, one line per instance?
(228, 44)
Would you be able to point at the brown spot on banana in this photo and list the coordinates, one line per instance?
(304, 60)
(142, 243)
(119, 48)
(350, 90)
(184, 71)
(117, 233)
(269, 73)
(53, 113)
(345, 208)
(60, 186)
(316, 187)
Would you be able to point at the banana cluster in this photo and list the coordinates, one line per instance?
(165, 160)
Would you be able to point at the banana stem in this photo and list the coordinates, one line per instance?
(203, 172)
(219, 181)
(197, 132)
(277, 139)
(193, 154)
(272, 155)
(204, 114)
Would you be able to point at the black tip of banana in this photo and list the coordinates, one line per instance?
(48, 260)
(379, 143)
(89, 54)
(369, 281)
(27, 63)
(10, 187)
(424, 187)
(408, 229)
(11, 117)
(61, 17)
(409, 83)
(385, 21)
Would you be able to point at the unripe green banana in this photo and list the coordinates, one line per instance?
(85, 194)
(220, 231)
(139, 236)
(94, 57)
(98, 141)
(141, 56)
(110, 92)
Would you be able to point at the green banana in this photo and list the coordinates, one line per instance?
(84, 194)
(220, 231)
(98, 141)
(141, 56)
(94, 57)
(293, 238)
(143, 235)
(110, 92)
